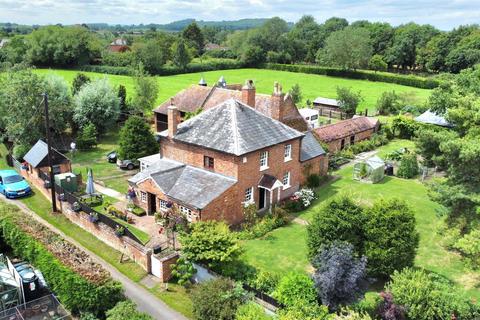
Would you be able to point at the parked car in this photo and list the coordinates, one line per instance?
(128, 164)
(112, 157)
(13, 185)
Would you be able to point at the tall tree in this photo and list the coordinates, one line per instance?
(136, 140)
(181, 56)
(193, 34)
(348, 100)
(348, 49)
(146, 91)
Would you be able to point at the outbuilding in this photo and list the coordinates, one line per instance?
(370, 170)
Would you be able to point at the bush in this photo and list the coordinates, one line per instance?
(340, 277)
(388, 309)
(76, 293)
(412, 81)
(300, 200)
(126, 310)
(428, 296)
(183, 271)
(340, 219)
(408, 166)
(136, 140)
(20, 150)
(305, 311)
(313, 181)
(265, 282)
(348, 100)
(469, 247)
(388, 103)
(262, 226)
(403, 127)
(210, 242)
(295, 288)
(251, 311)
(391, 240)
(87, 138)
(138, 211)
(216, 299)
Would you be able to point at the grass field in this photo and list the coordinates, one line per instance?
(312, 85)
(284, 249)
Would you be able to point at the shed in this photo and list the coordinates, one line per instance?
(369, 170)
(37, 156)
(326, 102)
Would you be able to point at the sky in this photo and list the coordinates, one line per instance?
(444, 14)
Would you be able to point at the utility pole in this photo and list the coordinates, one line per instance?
(49, 153)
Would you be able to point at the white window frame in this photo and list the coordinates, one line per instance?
(163, 204)
(287, 153)
(286, 180)
(263, 160)
(187, 212)
(249, 196)
(143, 196)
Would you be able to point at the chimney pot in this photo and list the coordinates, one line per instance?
(277, 106)
(248, 93)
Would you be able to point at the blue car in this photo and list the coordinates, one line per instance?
(13, 185)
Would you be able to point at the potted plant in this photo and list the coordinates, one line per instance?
(76, 206)
(93, 217)
(119, 231)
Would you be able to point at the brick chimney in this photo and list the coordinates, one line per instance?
(278, 97)
(173, 119)
(248, 93)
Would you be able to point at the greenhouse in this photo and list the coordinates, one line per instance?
(369, 170)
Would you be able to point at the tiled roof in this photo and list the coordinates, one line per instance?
(192, 186)
(194, 97)
(37, 155)
(235, 128)
(311, 148)
(345, 128)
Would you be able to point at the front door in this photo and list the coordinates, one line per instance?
(152, 203)
(261, 198)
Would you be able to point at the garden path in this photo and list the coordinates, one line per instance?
(109, 192)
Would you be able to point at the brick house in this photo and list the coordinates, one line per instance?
(36, 161)
(119, 45)
(344, 133)
(278, 106)
(230, 155)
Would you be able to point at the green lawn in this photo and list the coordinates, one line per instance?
(312, 85)
(284, 249)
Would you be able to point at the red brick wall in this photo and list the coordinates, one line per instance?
(335, 145)
(318, 165)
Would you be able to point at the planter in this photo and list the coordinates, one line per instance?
(119, 231)
(93, 218)
(76, 207)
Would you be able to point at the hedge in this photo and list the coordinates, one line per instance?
(167, 70)
(75, 292)
(406, 80)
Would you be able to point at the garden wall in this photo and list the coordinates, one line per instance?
(138, 253)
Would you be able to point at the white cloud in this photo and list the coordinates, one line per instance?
(444, 14)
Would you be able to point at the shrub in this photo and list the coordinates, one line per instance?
(295, 288)
(76, 293)
(340, 277)
(388, 309)
(388, 103)
(136, 140)
(305, 311)
(403, 127)
(183, 271)
(348, 100)
(87, 138)
(347, 314)
(302, 199)
(313, 181)
(138, 211)
(391, 239)
(251, 311)
(126, 310)
(412, 81)
(217, 299)
(262, 227)
(265, 282)
(78, 82)
(20, 150)
(340, 219)
(428, 296)
(469, 247)
(210, 242)
(408, 166)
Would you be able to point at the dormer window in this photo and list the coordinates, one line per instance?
(264, 160)
(208, 162)
(288, 152)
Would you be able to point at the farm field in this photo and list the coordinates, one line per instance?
(284, 249)
(312, 85)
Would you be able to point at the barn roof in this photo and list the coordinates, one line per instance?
(37, 155)
(345, 128)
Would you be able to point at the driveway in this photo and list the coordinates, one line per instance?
(146, 302)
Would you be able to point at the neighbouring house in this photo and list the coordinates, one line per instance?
(36, 163)
(228, 156)
(340, 135)
(119, 45)
(430, 117)
(278, 105)
(310, 116)
(213, 46)
(326, 103)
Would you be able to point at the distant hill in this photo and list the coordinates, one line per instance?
(241, 24)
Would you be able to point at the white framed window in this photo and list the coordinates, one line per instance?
(187, 212)
(286, 180)
(248, 195)
(143, 196)
(287, 152)
(264, 160)
(244, 159)
(163, 205)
